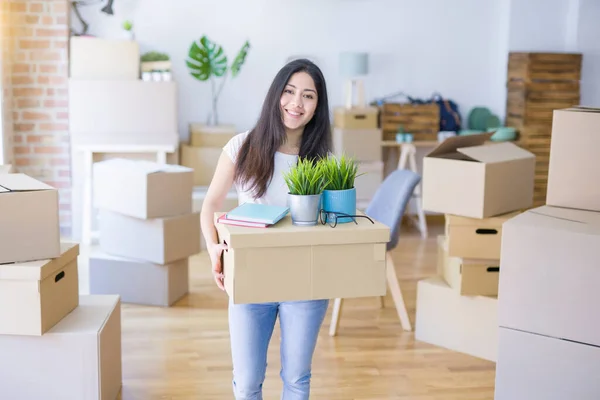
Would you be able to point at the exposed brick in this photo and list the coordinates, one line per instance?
(23, 127)
(48, 68)
(53, 127)
(64, 173)
(18, 7)
(21, 149)
(37, 138)
(60, 44)
(43, 80)
(20, 68)
(50, 150)
(47, 55)
(28, 91)
(59, 7)
(58, 80)
(61, 20)
(22, 80)
(62, 115)
(23, 103)
(59, 161)
(58, 32)
(56, 103)
(32, 19)
(36, 7)
(47, 20)
(36, 116)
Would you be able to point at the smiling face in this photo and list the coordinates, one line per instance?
(298, 101)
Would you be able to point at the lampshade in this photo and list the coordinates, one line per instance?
(354, 64)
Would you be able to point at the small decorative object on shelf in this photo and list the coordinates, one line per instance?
(306, 182)
(128, 30)
(156, 67)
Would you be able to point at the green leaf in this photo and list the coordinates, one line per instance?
(206, 58)
(240, 59)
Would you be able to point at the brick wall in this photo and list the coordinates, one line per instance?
(37, 66)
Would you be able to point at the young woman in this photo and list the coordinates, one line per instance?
(294, 122)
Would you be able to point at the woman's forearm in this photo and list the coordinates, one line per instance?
(207, 225)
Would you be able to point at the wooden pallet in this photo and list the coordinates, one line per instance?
(421, 120)
(532, 67)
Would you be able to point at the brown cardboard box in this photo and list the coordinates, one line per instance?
(539, 367)
(463, 176)
(360, 144)
(475, 237)
(356, 118)
(36, 295)
(29, 226)
(156, 240)
(211, 136)
(80, 358)
(160, 285)
(550, 273)
(466, 324)
(285, 262)
(143, 189)
(574, 163)
(470, 277)
(203, 160)
(97, 58)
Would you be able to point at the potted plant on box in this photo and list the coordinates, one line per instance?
(306, 182)
(207, 61)
(155, 66)
(339, 195)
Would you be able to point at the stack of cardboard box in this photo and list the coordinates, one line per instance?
(202, 155)
(356, 134)
(54, 343)
(478, 186)
(549, 335)
(148, 231)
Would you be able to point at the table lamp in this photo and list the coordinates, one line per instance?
(354, 65)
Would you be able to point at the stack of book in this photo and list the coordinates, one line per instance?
(254, 215)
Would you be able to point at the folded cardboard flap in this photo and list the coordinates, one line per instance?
(21, 183)
(569, 215)
(453, 143)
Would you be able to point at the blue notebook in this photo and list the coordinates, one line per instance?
(261, 213)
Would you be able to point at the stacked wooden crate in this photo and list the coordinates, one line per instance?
(420, 120)
(538, 84)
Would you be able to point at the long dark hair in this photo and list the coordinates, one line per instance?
(255, 163)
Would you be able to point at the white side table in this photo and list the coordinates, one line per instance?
(88, 152)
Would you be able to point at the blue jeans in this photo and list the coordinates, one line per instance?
(251, 327)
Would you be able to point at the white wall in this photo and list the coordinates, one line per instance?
(588, 42)
(455, 47)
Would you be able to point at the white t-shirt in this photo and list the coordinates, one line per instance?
(277, 190)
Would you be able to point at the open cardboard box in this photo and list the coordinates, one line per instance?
(285, 262)
(29, 225)
(467, 177)
(550, 273)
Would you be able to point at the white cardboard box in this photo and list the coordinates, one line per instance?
(574, 162)
(466, 324)
(106, 59)
(464, 176)
(122, 112)
(156, 240)
(550, 271)
(143, 189)
(29, 224)
(539, 367)
(78, 359)
(36, 295)
(155, 285)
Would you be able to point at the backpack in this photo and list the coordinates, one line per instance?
(450, 119)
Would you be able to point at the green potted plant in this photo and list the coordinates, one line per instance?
(339, 195)
(155, 66)
(207, 61)
(305, 181)
(128, 30)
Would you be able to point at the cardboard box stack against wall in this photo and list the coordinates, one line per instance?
(55, 344)
(148, 231)
(548, 289)
(202, 154)
(356, 133)
(479, 186)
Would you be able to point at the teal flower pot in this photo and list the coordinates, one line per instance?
(340, 201)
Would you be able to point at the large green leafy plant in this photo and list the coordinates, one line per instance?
(207, 61)
(305, 178)
(340, 174)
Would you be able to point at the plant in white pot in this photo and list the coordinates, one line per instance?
(207, 61)
(305, 181)
(339, 195)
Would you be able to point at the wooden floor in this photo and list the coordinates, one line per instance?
(182, 352)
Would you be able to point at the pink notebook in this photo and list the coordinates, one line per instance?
(224, 220)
